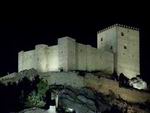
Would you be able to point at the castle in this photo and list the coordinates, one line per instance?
(117, 51)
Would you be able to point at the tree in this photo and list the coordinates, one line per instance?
(37, 96)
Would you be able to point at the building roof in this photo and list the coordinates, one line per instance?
(118, 25)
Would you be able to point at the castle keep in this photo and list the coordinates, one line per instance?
(117, 51)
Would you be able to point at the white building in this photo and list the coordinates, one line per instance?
(117, 50)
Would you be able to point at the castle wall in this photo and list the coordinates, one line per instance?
(63, 53)
(123, 42)
(118, 50)
(52, 58)
(87, 57)
(20, 60)
(106, 62)
(71, 54)
(128, 52)
(67, 53)
(90, 64)
(26, 60)
(93, 59)
(41, 54)
(43, 58)
(107, 40)
(81, 56)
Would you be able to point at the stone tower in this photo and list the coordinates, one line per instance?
(67, 53)
(123, 42)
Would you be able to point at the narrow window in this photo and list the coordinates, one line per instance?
(101, 39)
(122, 34)
(111, 47)
(125, 47)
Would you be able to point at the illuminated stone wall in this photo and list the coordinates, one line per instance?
(52, 58)
(41, 55)
(71, 54)
(67, 55)
(20, 60)
(123, 42)
(90, 59)
(93, 59)
(107, 39)
(26, 60)
(99, 60)
(63, 53)
(106, 62)
(117, 50)
(81, 56)
(43, 58)
(128, 52)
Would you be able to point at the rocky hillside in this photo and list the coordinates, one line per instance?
(87, 100)
(83, 92)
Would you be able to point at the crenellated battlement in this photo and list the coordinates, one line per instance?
(118, 25)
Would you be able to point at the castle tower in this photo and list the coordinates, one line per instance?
(26, 60)
(123, 42)
(67, 53)
(20, 60)
(41, 57)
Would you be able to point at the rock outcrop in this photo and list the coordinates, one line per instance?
(90, 93)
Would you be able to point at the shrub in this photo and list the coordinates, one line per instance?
(37, 96)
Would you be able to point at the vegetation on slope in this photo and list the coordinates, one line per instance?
(35, 92)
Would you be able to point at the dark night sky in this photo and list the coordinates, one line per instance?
(22, 30)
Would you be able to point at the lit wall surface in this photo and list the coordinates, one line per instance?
(117, 50)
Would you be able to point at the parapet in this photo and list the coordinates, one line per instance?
(40, 46)
(20, 53)
(118, 25)
(66, 37)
